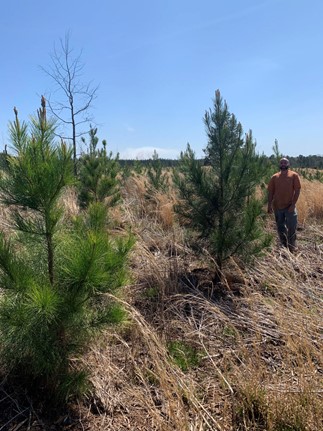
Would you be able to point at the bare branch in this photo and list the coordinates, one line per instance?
(74, 98)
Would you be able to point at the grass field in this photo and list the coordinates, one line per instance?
(195, 355)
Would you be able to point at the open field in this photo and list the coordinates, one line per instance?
(197, 355)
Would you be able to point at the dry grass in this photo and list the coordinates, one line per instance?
(257, 336)
(310, 204)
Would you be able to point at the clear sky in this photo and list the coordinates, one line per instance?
(159, 62)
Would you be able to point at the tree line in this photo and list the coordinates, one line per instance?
(300, 162)
(311, 161)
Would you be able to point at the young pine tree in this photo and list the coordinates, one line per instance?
(218, 200)
(158, 180)
(273, 161)
(98, 175)
(53, 274)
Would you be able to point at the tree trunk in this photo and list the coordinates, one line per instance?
(50, 257)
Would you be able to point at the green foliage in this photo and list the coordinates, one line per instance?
(151, 293)
(272, 164)
(125, 172)
(48, 317)
(156, 176)
(183, 355)
(317, 175)
(277, 154)
(138, 167)
(98, 175)
(34, 179)
(218, 201)
(230, 331)
(311, 161)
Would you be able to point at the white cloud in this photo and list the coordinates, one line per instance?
(144, 153)
(130, 129)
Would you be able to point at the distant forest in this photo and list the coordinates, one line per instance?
(311, 161)
(314, 162)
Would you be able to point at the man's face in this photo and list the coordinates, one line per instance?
(284, 165)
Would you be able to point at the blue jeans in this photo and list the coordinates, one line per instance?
(286, 225)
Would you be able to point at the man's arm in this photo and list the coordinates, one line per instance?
(295, 199)
(297, 190)
(296, 196)
(270, 201)
(271, 189)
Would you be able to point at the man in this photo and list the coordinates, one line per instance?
(283, 192)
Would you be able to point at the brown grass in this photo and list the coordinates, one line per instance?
(310, 204)
(257, 336)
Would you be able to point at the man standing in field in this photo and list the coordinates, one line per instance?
(283, 191)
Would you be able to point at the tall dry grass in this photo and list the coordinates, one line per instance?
(310, 204)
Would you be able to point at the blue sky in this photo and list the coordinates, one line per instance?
(159, 62)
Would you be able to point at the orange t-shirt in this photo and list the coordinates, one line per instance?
(283, 188)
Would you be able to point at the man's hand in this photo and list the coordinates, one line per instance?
(291, 208)
(270, 209)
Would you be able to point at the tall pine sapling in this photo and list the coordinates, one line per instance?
(218, 201)
(54, 275)
(35, 178)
